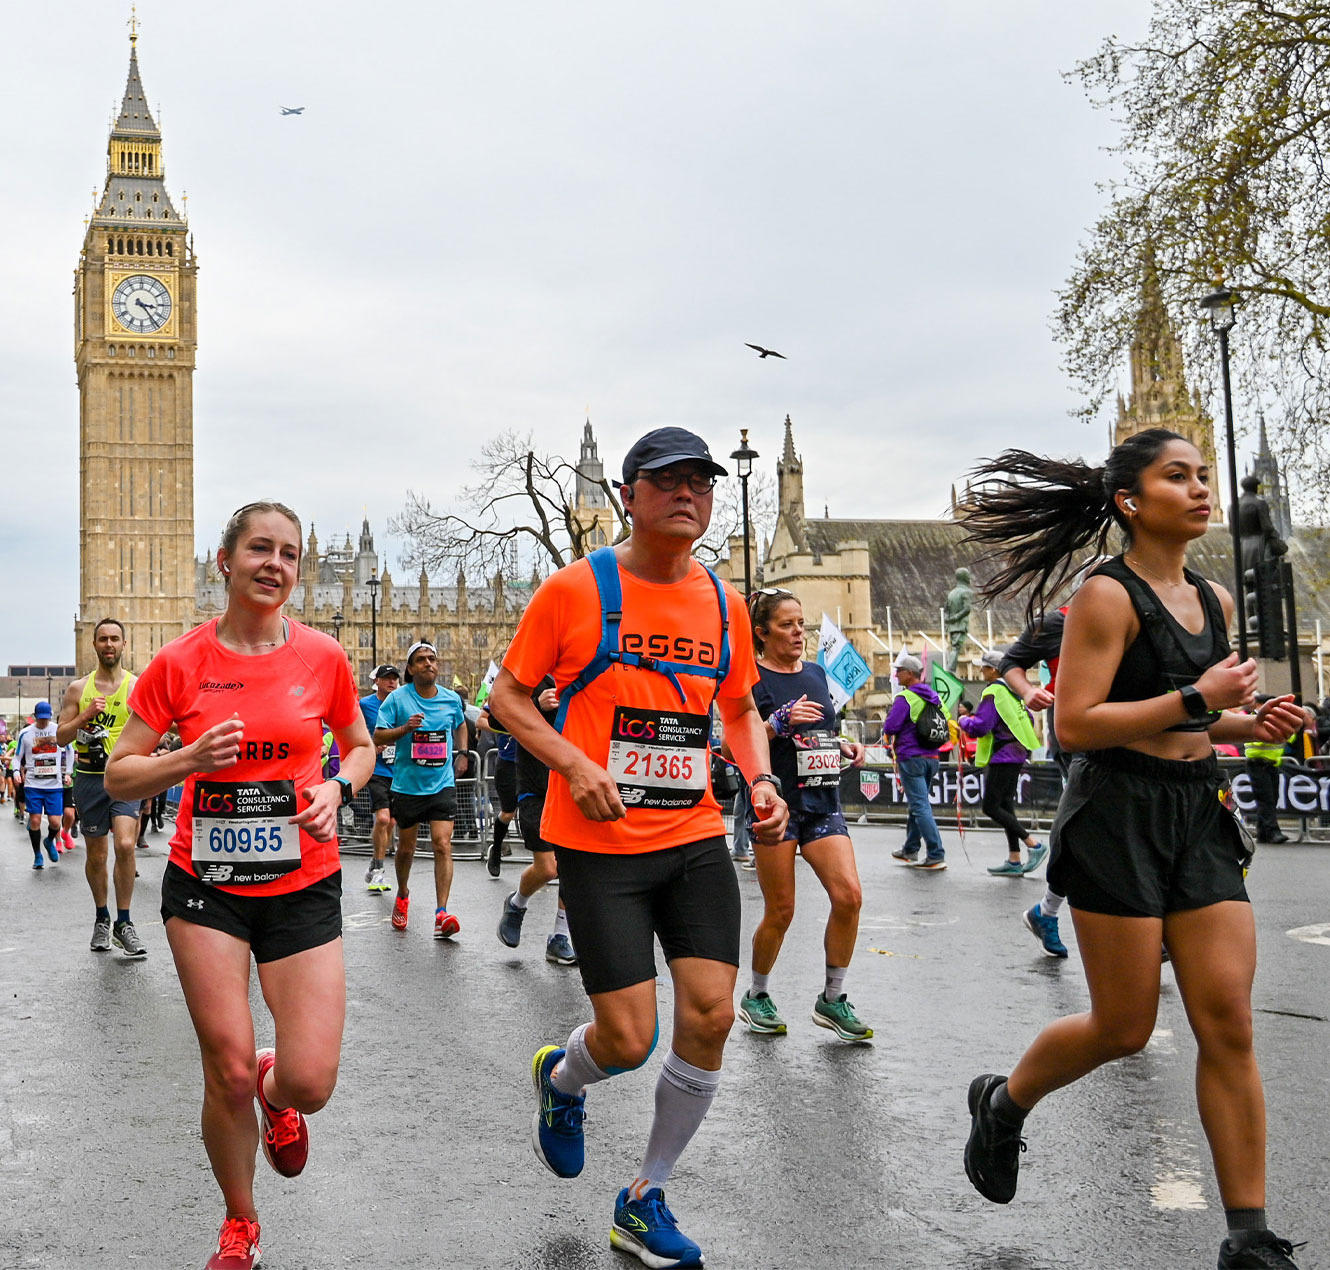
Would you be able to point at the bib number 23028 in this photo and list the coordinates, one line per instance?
(241, 832)
(659, 759)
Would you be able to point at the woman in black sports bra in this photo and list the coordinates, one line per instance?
(1142, 847)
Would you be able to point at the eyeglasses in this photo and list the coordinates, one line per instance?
(755, 596)
(668, 479)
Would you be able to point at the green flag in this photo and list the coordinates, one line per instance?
(947, 686)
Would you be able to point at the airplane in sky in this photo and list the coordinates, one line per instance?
(293, 110)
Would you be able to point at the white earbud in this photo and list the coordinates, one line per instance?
(1129, 504)
(226, 568)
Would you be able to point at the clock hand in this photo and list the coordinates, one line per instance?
(150, 307)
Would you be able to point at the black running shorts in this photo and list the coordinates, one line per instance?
(274, 926)
(529, 812)
(1139, 836)
(378, 788)
(419, 809)
(618, 905)
(505, 785)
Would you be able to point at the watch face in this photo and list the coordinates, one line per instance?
(141, 303)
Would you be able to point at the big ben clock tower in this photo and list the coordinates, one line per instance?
(134, 340)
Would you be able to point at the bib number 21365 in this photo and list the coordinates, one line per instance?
(658, 758)
(241, 832)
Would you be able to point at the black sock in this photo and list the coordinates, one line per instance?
(122, 916)
(1008, 1111)
(103, 914)
(500, 830)
(36, 836)
(1242, 1220)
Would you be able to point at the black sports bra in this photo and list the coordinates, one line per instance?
(1165, 656)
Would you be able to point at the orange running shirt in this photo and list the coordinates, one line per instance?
(655, 756)
(283, 698)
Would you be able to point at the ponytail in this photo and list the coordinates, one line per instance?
(1036, 515)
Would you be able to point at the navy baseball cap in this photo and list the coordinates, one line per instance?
(663, 446)
(42, 710)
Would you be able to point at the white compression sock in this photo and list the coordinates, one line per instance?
(684, 1094)
(577, 1069)
(835, 982)
(759, 984)
(560, 921)
(1051, 902)
(519, 900)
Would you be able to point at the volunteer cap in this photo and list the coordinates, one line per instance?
(663, 446)
(42, 710)
(386, 671)
(992, 658)
(908, 661)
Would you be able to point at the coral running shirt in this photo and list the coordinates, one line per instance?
(658, 756)
(283, 698)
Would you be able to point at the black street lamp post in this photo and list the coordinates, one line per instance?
(337, 620)
(374, 585)
(1219, 305)
(743, 465)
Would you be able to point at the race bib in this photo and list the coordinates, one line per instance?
(389, 753)
(429, 749)
(659, 759)
(818, 755)
(241, 832)
(46, 767)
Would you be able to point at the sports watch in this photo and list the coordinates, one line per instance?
(347, 792)
(770, 779)
(1194, 701)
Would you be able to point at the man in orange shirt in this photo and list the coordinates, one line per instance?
(642, 642)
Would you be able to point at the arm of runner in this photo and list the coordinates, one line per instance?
(855, 751)
(1276, 720)
(747, 739)
(70, 715)
(461, 759)
(591, 786)
(1033, 693)
(387, 736)
(1099, 627)
(134, 771)
(319, 819)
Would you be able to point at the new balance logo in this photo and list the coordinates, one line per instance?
(632, 796)
(193, 903)
(297, 690)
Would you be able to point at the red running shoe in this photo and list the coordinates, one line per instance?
(237, 1246)
(400, 906)
(285, 1133)
(445, 925)
(66, 842)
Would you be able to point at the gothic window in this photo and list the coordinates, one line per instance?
(364, 639)
(152, 352)
(404, 640)
(131, 350)
(110, 350)
(154, 198)
(170, 249)
(148, 213)
(445, 639)
(479, 639)
(138, 198)
(129, 211)
(170, 354)
(121, 196)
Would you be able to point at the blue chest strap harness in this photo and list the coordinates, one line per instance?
(605, 569)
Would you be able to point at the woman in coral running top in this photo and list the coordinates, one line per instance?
(254, 866)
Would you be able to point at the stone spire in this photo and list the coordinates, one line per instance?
(790, 484)
(1266, 470)
(590, 471)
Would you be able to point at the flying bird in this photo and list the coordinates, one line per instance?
(292, 110)
(765, 352)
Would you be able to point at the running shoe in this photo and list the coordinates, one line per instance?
(1034, 857)
(993, 1153)
(374, 867)
(839, 1016)
(445, 924)
(741, 855)
(66, 842)
(908, 856)
(101, 935)
(1045, 930)
(510, 924)
(52, 854)
(37, 861)
(400, 905)
(237, 1246)
(556, 1130)
(1008, 869)
(126, 938)
(1259, 1248)
(750, 863)
(285, 1133)
(493, 859)
(559, 950)
(932, 863)
(759, 1012)
(647, 1229)
(376, 880)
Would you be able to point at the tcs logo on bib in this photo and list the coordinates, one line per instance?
(635, 729)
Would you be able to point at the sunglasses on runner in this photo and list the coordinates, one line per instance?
(667, 480)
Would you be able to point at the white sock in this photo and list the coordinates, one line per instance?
(835, 982)
(1051, 902)
(684, 1094)
(561, 921)
(576, 1069)
(518, 900)
(759, 984)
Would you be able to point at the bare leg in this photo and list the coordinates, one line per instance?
(406, 853)
(832, 860)
(123, 829)
(441, 837)
(775, 875)
(306, 993)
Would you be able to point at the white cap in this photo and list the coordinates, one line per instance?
(993, 657)
(908, 661)
(415, 648)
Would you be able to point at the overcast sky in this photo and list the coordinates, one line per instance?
(496, 216)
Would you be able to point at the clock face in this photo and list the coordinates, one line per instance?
(141, 303)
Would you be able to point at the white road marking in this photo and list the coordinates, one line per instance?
(1319, 934)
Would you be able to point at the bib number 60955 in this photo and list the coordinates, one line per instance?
(244, 839)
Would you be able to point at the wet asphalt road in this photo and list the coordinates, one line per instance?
(815, 1153)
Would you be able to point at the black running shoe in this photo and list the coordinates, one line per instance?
(993, 1153)
(493, 856)
(1262, 1249)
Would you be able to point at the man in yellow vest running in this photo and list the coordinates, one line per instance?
(1264, 759)
(92, 715)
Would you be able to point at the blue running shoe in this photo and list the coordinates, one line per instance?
(646, 1228)
(559, 951)
(1045, 930)
(37, 861)
(556, 1131)
(510, 923)
(52, 854)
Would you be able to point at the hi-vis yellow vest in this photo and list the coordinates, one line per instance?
(1011, 710)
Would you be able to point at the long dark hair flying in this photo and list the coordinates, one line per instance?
(1035, 516)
